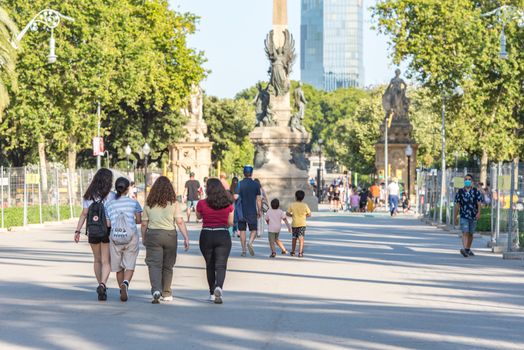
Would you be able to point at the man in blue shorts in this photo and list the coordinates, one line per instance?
(468, 201)
(250, 196)
(192, 194)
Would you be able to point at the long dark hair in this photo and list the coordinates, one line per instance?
(121, 186)
(100, 186)
(217, 196)
(162, 193)
(234, 185)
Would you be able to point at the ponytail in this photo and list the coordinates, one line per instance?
(121, 186)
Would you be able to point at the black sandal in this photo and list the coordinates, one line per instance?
(300, 255)
(292, 253)
(273, 255)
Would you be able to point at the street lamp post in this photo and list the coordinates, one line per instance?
(319, 171)
(128, 153)
(47, 18)
(409, 153)
(505, 14)
(146, 150)
(456, 92)
(386, 170)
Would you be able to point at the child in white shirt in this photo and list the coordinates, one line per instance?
(274, 218)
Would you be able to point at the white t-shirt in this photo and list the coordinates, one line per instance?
(275, 217)
(393, 189)
(110, 196)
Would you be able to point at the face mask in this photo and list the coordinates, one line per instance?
(467, 183)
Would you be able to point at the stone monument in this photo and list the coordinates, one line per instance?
(398, 129)
(279, 136)
(193, 152)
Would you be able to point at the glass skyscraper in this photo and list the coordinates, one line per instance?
(331, 38)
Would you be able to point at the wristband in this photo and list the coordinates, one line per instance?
(77, 232)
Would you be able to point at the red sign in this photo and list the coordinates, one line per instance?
(98, 146)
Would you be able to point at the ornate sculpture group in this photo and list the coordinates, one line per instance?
(281, 59)
(394, 100)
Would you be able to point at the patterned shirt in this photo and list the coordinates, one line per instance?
(468, 201)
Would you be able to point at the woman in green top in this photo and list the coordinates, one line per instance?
(159, 236)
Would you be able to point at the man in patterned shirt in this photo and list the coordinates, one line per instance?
(468, 201)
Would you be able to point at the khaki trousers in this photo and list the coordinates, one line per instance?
(161, 246)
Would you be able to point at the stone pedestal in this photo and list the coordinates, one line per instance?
(280, 164)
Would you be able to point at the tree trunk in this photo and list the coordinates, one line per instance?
(43, 169)
(483, 168)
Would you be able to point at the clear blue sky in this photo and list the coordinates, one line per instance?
(231, 33)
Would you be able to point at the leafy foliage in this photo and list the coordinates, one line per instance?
(130, 56)
(229, 124)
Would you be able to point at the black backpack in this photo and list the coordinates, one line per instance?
(96, 220)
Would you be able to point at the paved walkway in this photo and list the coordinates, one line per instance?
(365, 283)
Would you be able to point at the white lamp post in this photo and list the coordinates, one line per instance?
(49, 19)
(128, 153)
(146, 150)
(505, 14)
(409, 153)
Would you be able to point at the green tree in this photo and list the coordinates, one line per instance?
(448, 43)
(8, 31)
(229, 124)
(130, 56)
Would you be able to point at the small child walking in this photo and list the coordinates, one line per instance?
(274, 218)
(298, 211)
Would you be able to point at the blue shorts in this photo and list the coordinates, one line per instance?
(250, 220)
(191, 204)
(468, 225)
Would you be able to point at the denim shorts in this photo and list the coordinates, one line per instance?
(468, 225)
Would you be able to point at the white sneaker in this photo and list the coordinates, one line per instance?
(218, 295)
(211, 298)
(170, 298)
(156, 297)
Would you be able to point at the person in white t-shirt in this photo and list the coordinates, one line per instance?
(274, 218)
(394, 192)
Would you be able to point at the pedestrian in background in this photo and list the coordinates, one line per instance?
(216, 212)
(99, 193)
(123, 214)
(468, 202)
(394, 192)
(265, 207)
(159, 236)
(223, 180)
(192, 194)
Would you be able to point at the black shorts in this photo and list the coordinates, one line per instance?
(250, 221)
(97, 240)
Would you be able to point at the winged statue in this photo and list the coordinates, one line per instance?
(282, 59)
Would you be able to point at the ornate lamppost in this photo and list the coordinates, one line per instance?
(505, 14)
(47, 18)
(146, 150)
(409, 153)
(128, 153)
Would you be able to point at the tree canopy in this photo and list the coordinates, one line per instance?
(130, 56)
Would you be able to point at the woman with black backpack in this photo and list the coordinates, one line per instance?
(97, 194)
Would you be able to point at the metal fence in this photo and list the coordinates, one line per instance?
(502, 214)
(29, 195)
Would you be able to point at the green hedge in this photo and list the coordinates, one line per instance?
(15, 216)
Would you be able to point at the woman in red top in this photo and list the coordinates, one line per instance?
(216, 213)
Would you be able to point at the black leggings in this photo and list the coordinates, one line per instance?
(215, 247)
